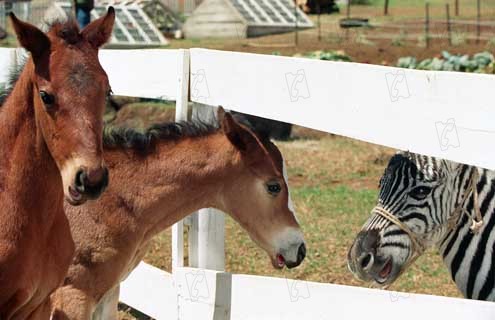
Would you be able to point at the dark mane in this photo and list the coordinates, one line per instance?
(144, 142)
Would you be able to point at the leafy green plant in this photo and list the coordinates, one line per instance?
(326, 55)
(482, 62)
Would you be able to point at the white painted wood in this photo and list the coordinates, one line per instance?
(9, 57)
(182, 101)
(178, 245)
(442, 114)
(211, 239)
(151, 291)
(142, 73)
(5, 63)
(203, 294)
(266, 298)
(210, 253)
(181, 114)
(193, 241)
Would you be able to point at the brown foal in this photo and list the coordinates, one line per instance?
(50, 146)
(186, 167)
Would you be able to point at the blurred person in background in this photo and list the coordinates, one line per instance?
(83, 11)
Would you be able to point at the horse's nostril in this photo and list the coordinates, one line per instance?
(105, 176)
(95, 176)
(80, 177)
(301, 253)
(366, 261)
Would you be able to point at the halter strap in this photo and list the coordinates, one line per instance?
(477, 218)
(417, 243)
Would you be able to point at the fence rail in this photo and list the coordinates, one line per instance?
(443, 114)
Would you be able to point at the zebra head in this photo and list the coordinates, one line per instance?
(417, 197)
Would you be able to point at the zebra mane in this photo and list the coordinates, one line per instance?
(424, 167)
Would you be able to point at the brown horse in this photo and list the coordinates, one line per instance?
(51, 146)
(159, 178)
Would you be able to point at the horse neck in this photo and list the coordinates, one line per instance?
(178, 179)
(27, 169)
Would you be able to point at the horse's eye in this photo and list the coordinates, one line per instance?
(48, 99)
(273, 188)
(419, 193)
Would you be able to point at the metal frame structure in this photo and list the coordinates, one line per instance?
(132, 26)
(271, 13)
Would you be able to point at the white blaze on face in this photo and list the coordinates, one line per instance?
(286, 178)
(288, 242)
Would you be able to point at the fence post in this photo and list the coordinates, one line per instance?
(181, 112)
(478, 19)
(319, 21)
(427, 24)
(296, 35)
(456, 8)
(385, 9)
(449, 31)
(211, 222)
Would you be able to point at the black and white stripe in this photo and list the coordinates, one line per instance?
(469, 257)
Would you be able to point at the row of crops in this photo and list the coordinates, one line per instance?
(482, 62)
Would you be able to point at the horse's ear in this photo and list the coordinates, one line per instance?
(30, 37)
(239, 136)
(243, 139)
(99, 31)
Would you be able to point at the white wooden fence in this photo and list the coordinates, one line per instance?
(443, 114)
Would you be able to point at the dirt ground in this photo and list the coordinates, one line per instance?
(391, 37)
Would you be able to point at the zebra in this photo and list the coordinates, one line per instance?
(428, 202)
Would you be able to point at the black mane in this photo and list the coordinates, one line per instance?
(144, 142)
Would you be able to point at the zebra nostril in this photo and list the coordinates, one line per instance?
(366, 261)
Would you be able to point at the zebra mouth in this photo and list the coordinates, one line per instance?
(385, 272)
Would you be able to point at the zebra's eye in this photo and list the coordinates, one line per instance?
(420, 193)
(273, 188)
